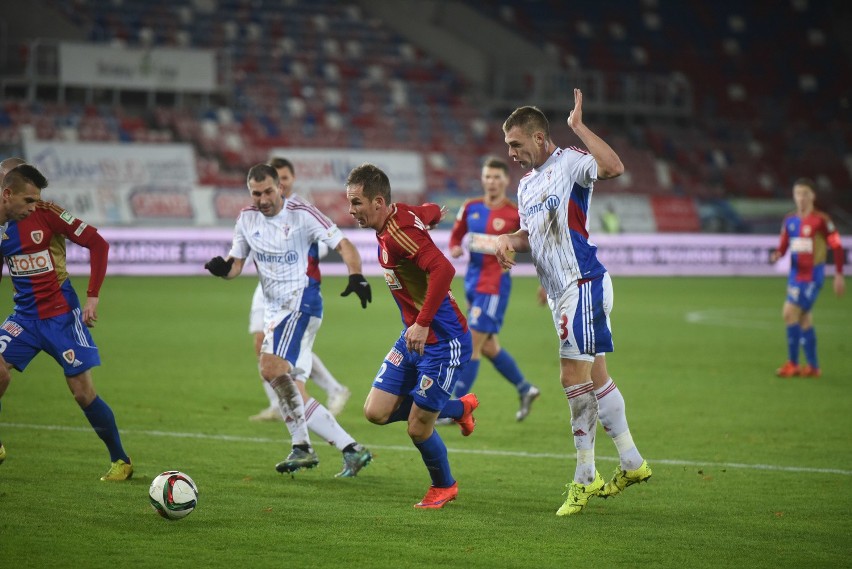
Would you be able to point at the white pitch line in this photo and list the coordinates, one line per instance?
(518, 454)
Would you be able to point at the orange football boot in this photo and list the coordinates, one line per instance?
(436, 497)
(789, 369)
(809, 371)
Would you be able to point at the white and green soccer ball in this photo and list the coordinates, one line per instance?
(173, 494)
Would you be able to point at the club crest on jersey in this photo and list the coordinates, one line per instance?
(498, 224)
(806, 230)
(68, 356)
(425, 383)
(37, 236)
(384, 256)
(286, 230)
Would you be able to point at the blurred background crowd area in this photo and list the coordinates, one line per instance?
(721, 103)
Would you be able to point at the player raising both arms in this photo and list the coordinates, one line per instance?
(418, 374)
(807, 233)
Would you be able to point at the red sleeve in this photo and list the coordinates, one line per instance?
(833, 239)
(459, 227)
(785, 239)
(428, 213)
(441, 273)
(98, 254)
(86, 236)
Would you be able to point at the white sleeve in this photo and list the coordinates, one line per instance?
(239, 247)
(582, 167)
(522, 212)
(323, 250)
(321, 228)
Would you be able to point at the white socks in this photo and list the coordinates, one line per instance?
(292, 407)
(322, 422)
(584, 421)
(614, 420)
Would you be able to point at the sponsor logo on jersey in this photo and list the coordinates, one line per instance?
(12, 327)
(68, 356)
(482, 243)
(290, 257)
(37, 236)
(80, 228)
(69, 219)
(394, 357)
(551, 202)
(802, 245)
(392, 280)
(425, 383)
(29, 264)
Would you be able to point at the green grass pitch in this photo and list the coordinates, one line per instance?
(749, 470)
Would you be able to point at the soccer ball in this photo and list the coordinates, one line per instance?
(173, 494)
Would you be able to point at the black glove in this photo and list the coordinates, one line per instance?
(359, 285)
(218, 266)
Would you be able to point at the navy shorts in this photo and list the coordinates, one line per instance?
(64, 337)
(429, 378)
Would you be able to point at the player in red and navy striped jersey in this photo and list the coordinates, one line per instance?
(487, 285)
(418, 374)
(807, 233)
(47, 315)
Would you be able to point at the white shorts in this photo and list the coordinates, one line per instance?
(581, 318)
(256, 313)
(290, 336)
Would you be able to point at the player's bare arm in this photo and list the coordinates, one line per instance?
(508, 244)
(839, 285)
(90, 311)
(609, 164)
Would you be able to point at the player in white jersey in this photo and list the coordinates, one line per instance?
(553, 202)
(282, 235)
(337, 393)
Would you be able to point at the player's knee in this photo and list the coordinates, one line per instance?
(376, 416)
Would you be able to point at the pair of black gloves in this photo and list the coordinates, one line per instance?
(219, 267)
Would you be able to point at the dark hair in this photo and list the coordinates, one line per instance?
(373, 181)
(530, 119)
(279, 163)
(494, 162)
(259, 172)
(806, 182)
(24, 174)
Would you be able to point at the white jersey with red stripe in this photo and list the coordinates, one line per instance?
(285, 251)
(553, 203)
